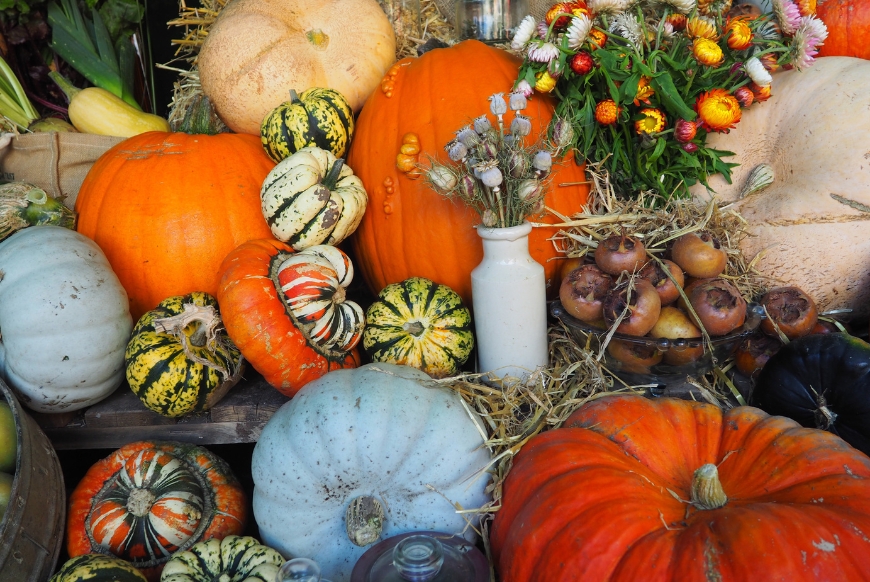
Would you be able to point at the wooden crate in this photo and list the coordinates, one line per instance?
(122, 418)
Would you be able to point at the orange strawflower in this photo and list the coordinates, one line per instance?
(760, 93)
(769, 62)
(606, 112)
(653, 121)
(707, 52)
(701, 27)
(644, 91)
(597, 37)
(677, 21)
(739, 35)
(806, 7)
(714, 6)
(718, 109)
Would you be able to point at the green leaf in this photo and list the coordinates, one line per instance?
(661, 143)
(611, 86)
(628, 89)
(663, 84)
(120, 16)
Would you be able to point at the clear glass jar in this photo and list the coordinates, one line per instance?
(299, 570)
(404, 15)
(422, 557)
(490, 21)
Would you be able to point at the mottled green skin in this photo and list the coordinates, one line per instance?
(233, 558)
(98, 568)
(164, 378)
(317, 117)
(443, 339)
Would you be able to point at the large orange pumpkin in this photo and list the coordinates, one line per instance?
(627, 490)
(261, 321)
(848, 23)
(408, 229)
(166, 208)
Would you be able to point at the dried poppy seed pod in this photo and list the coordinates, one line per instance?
(518, 164)
(482, 124)
(489, 218)
(521, 125)
(456, 150)
(497, 104)
(542, 163)
(490, 175)
(563, 132)
(518, 100)
(468, 137)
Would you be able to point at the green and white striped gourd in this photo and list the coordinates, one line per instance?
(312, 198)
(420, 324)
(319, 117)
(98, 568)
(180, 359)
(236, 558)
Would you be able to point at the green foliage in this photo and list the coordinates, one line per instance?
(644, 48)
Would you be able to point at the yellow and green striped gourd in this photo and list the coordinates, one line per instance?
(98, 568)
(318, 117)
(421, 324)
(180, 359)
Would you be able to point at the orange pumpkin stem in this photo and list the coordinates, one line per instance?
(707, 492)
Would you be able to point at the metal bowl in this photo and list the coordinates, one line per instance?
(659, 374)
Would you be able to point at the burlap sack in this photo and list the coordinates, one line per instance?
(57, 162)
(537, 8)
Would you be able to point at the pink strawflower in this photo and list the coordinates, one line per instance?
(788, 14)
(811, 34)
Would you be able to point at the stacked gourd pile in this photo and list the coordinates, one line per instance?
(222, 250)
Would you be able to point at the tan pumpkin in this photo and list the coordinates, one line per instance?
(813, 222)
(257, 50)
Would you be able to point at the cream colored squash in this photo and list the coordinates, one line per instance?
(258, 50)
(812, 224)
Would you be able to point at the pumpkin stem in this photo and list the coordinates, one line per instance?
(707, 492)
(825, 417)
(294, 96)
(364, 520)
(139, 501)
(333, 174)
(415, 328)
(201, 118)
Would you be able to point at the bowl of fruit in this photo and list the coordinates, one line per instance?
(656, 318)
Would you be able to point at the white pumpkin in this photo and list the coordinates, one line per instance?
(381, 435)
(64, 317)
(812, 224)
(311, 197)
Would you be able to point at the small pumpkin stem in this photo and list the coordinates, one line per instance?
(415, 328)
(332, 175)
(294, 96)
(825, 417)
(364, 520)
(205, 319)
(707, 492)
(201, 118)
(140, 501)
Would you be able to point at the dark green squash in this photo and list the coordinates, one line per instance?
(820, 381)
(318, 117)
(98, 568)
(179, 359)
(421, 324)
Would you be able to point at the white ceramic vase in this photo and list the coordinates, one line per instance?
(509, 298)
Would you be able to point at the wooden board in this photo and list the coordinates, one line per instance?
(122, 418)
